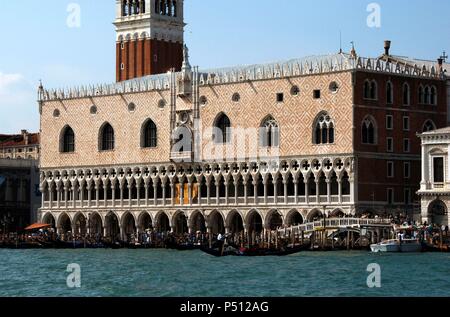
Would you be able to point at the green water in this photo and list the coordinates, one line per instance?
(193, 273)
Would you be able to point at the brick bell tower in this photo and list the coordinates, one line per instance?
(150, 37)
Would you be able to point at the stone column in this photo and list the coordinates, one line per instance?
(58, 195)
(105, 192)
(138, 192)
(163, 187)
(352, 188)
(226, 191)
(182, 192)
(155, 193)
(81, 193)
(328, 181)
(97, 194)
(130, 191)
(121, 187)
(236, 194)
(199, 180)
(305, 181)
(74, 195)
(51, 195)
(146, 187)
(340, 190)
(245, 191)
(296, 190)
(172, 193)
(89, 188)
(285, 184)
(318, 191)
(275, 191)
(190, 192)
(208, 191)
(218, 191)
(66, 195)
(113, 192)
(255, 188)
(265, 191)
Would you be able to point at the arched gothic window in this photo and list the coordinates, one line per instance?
(68, 140)
(433, 96)
(427, 95)
(389, 93)
(106, 138)
(428, 126)
(421, 95)
(149, 135)
(406, 94)
(370, 90)
(368, 131)
(270, 133)
(323, 130)
(222, 129)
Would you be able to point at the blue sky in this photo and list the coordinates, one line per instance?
(38, 44)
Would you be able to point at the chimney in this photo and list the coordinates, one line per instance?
(387, 47)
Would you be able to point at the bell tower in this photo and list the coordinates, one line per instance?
(149, 37)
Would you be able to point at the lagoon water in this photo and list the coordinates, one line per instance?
(193, 273)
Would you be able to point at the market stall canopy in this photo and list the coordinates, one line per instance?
(37, 226)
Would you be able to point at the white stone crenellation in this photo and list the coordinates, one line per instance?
(293, 68)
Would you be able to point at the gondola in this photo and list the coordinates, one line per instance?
(230, 251)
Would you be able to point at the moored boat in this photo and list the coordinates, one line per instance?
(397, 245)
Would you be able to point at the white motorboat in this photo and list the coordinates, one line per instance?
(397, 245)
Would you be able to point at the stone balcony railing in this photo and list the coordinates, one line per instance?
(211, 202)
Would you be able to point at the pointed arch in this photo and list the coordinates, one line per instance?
(369, 130)
(222, 129)
(324, 129)
(406, 94)
(149, 134)
(389, 92)
(428, 126)
(67, 140)
(269, 132)
(106, 137)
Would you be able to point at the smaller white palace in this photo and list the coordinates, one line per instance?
(435, 184)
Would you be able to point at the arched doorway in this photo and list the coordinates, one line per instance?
(96, 224)
(50, 220)
(198, 223)
(236, 224)
(128, 226)
(438, 213)
(315, 215)
(145, 222)
(255, 223)
(112, 227)
(163, 223)
(275, 220)
(65, 225)
(180, 223)
(80, 225)
(338, 213)
(215, 221)
(294, 218)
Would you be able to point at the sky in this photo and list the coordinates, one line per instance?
(38, 43)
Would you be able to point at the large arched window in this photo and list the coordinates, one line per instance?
(427, 95)
(106, 138)
(389, 93)
(67, 140)
(323, 129)
(428, 126)
(369, 131)
(433, 96)
(269, 133)
(149, 135)
(406, 94)
(222, 129)
(370, 90)
(421, 95)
